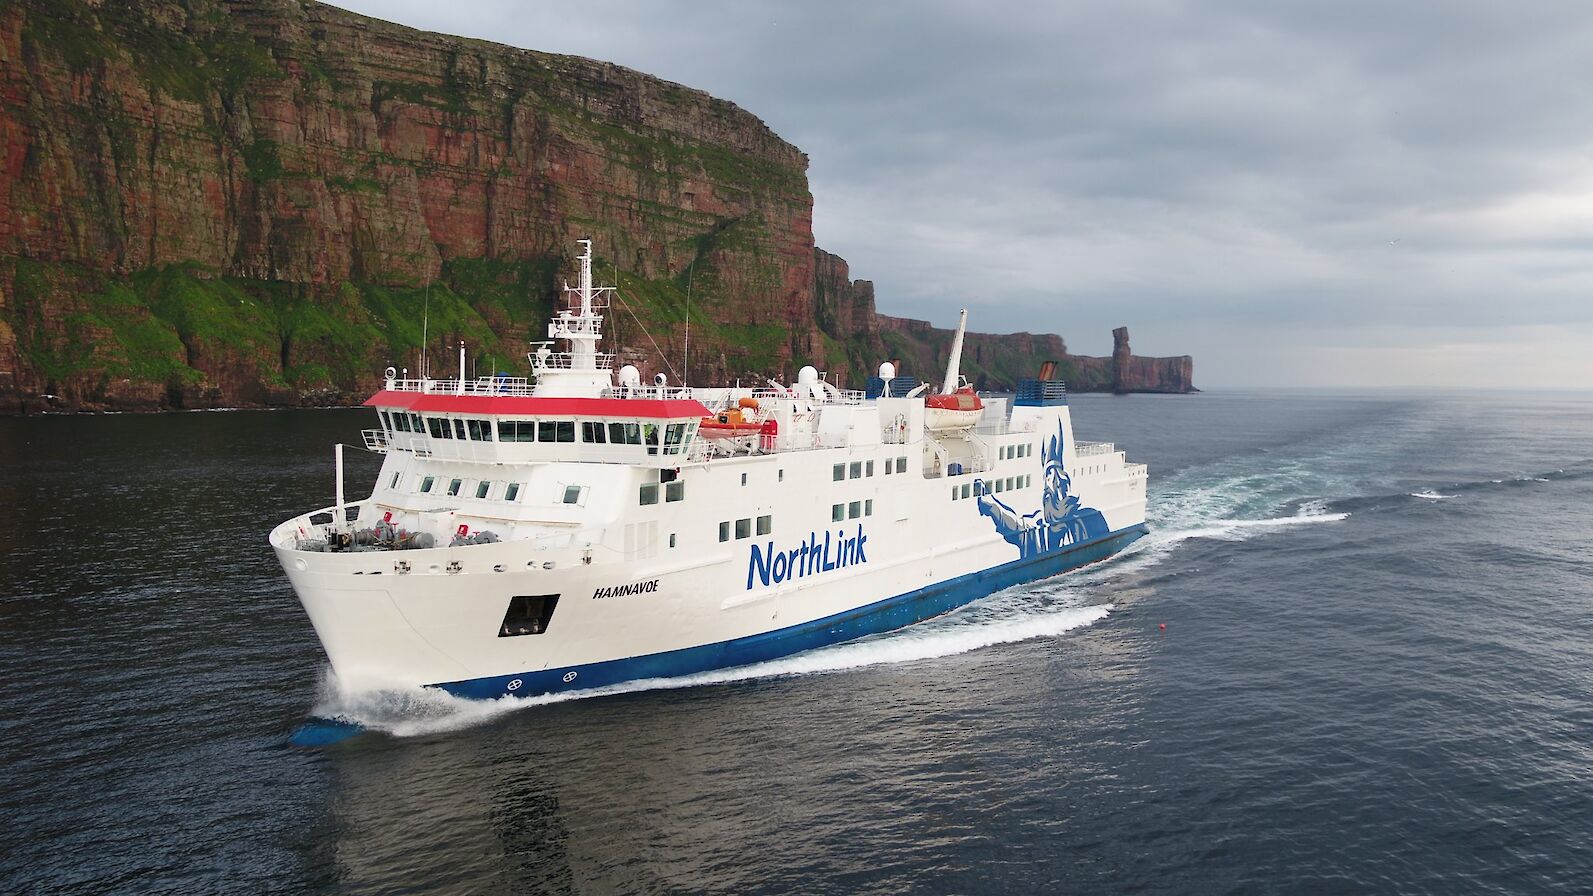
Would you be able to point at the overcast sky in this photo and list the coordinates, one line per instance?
(1326, 193)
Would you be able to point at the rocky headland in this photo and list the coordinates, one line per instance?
(257, 202)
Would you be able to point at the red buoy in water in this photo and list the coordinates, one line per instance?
(1162, 626)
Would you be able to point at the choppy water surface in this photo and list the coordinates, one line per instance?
(1376, 675)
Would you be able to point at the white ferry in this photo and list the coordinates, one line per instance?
(575, 530)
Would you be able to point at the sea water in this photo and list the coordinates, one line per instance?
(1355, 654)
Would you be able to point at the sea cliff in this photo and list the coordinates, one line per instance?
(253, 202)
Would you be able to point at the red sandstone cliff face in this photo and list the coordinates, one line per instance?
(255, 201)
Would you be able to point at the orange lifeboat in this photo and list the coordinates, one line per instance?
(745, 419)
(957, 410)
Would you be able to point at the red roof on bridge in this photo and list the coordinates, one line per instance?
(522, 406)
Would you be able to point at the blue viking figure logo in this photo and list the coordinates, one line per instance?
(1059, 522)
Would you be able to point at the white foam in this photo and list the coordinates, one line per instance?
(419, 711)
(1431, 495)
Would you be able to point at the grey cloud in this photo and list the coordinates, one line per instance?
(1234, 169)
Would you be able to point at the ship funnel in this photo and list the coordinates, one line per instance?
(954, 363)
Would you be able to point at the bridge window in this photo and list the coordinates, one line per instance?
(765, 524)
(624, 434)
(482, 488)
(453, 487)
(592, 433)
(459, 429)
(674, 438)
(439, 428)
(517, 431)
(675, 491)
(425, 484)
(649, 493)
(528, 615)
(480, 430)
(512, 492)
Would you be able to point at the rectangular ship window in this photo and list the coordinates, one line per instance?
(439, 428)
(857, 469)
(744, 528)
(528, 615)
(512, 492)
(765, 523)
(425, 484)
(870, 468)
(965, 490)
(868, 507)
(675, 491)
(837, 512)
(649, 494)
(459, 429)
(572, 494)
(954, 493)
(724, 531)
(480, 430)
(565, 431)
(482, 488)
(453, 487)
(901, 464)
(415, 424)
(592, 433)
(674, 435)
(839, 472)
(854, 510)
(394, 482)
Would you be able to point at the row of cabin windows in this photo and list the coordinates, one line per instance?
(1010, 483)
(673, 491)
(675, 435)
(744, 527)
(851, 511)
(484, 488)
(860, 468)
(1010, 452)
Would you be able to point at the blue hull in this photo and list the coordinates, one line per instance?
(881, 616)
